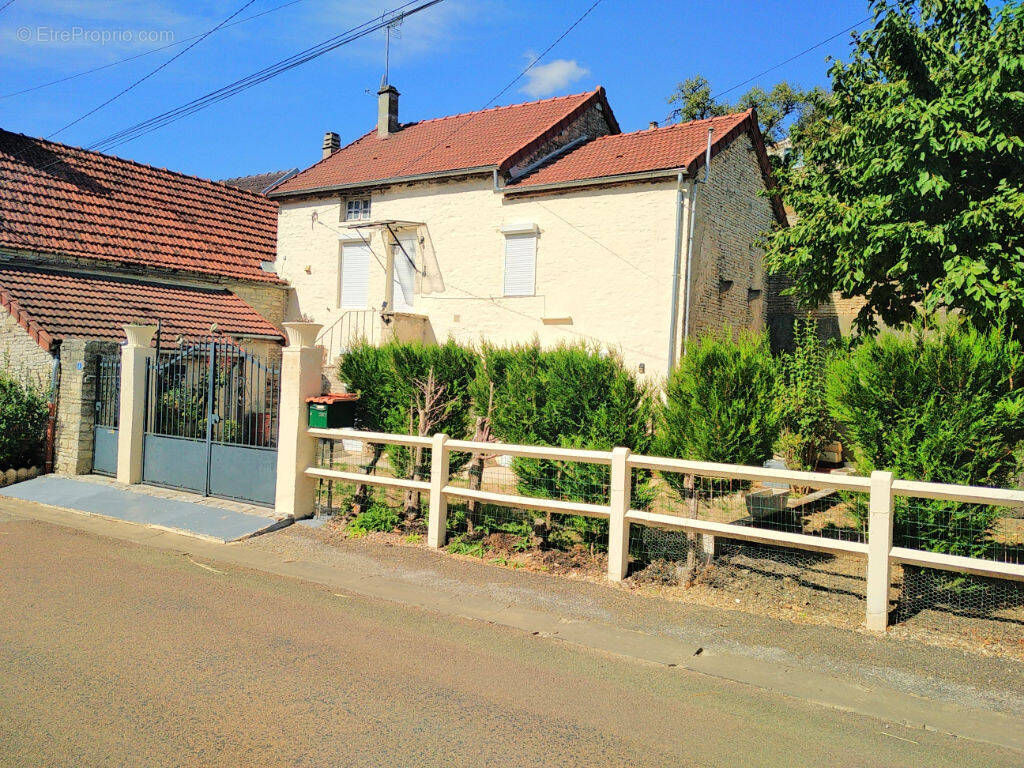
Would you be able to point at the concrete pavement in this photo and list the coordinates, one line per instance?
(176, 654)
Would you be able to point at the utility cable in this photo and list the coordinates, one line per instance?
(146, 77)
(139, 55)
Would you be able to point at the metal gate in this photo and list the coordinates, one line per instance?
(107, 404)
(211, 421)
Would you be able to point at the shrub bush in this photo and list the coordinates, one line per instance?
(721, 403)
(943, 405)
(571, 396)
(23, 416)
(379, 517)
(806, 425)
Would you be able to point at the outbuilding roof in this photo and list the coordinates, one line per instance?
(52, 305)
(491, 138)
(62, 200)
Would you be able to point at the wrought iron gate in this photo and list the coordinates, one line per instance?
(211, 421)
(107, 404)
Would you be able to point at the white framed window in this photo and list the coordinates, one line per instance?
(354, 278)
(404, 289)
(357, 209)
(520, 263)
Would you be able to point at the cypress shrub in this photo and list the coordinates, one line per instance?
(393, 381)
(943, 405)
(721, 404)
(23, 415)
(571, 396)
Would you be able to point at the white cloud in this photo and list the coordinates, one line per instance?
(545, 79)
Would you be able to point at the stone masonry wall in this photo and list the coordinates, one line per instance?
(729, 282)
(21, 356)
(592, 123)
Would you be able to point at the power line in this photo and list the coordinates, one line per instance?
(6, 4)
(587, 235)
(139, 55)
(505, 89)
(267, 73)
(791, 58)
(146, 77)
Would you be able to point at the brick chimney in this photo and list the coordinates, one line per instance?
(387, 111)
(332, 143)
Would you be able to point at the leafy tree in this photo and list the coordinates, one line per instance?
(694, 101)
(911, 194)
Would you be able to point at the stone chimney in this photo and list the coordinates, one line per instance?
(387, 111)
(332, 143)
(653, 125)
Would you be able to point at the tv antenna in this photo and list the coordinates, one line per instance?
(393, 28)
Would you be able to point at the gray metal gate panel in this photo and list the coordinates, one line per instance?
(107, 399)
(174, 461)
(211, 421)
(104, 450)
(241, 472)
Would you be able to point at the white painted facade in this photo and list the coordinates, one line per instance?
(604, 257)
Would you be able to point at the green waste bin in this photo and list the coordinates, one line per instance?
(333, 411)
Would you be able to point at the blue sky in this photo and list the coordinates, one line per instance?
(451, 58)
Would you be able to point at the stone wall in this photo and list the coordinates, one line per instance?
(729, 286)
(21, 356)
(593, 123)
(76, 404)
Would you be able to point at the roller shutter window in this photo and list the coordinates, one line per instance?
(520, 264)
(355, 276)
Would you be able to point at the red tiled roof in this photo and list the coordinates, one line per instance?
(676, 146)
(53, 305)
(57, 199)
(490, 138)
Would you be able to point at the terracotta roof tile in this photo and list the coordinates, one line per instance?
(57, 199)
(491, 137)
(676, 146)
(52, 305)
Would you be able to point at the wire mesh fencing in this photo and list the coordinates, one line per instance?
(752, 575)
(372, 506)
(774, 542)
(943, 602)
(560, 540)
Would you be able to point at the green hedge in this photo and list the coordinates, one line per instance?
(721, 403)
(23, 416)
(943, 405)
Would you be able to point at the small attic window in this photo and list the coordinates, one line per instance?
(357, 208)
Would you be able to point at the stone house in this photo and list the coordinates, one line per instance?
(537, 220)
(90, 242)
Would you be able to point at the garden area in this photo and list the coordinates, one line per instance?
(24, 412)
(941, 404)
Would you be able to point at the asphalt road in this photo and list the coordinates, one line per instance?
(116, 654)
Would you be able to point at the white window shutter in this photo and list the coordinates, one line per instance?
(355, 276)
(405, 274)
(520, 264)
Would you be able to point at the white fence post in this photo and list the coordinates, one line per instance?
(437, 521)
(296, 451)
(618, 526)
(879, 545)
(135, 355)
